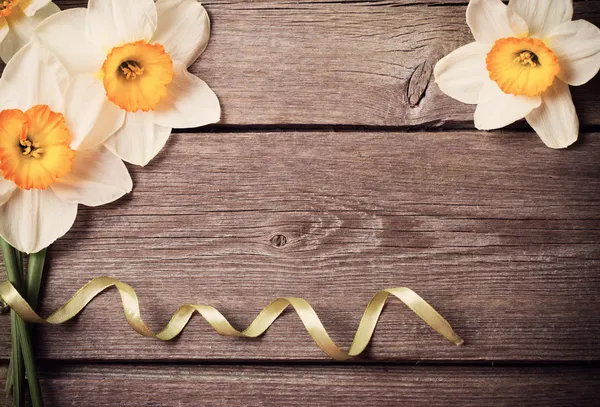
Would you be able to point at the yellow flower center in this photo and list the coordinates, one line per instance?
(136, 75)
(522, 66)
(34, 147)
(31, 149)
(131, 69)
(6, 7)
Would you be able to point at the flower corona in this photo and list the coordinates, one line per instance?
(34, 147)
(136, 75)
(522, 66)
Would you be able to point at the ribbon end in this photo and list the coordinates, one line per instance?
(457, 340)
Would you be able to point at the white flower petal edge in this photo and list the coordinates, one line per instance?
(490, 20)
(183, 29)
(189, 103)
(139, 140)
(30, 7)
(577, 47)
(112, 22)
(33, 220)
(21, 29)
(555, 121)
(64, 34)
(6, 190)
(98, 177)
(35, 77)
(542, 15)
(497, 109)
(90, 116)
(462, 73)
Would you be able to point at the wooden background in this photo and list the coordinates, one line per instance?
(340, 169)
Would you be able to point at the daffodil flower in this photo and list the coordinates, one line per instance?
(18, 19)
(49, 160)
(130, 59)
(523, 59)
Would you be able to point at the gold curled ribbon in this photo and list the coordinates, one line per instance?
(263, 321)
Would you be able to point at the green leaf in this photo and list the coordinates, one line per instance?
(20, 333)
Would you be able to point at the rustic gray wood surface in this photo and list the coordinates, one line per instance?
(318, 385)
(340, 169)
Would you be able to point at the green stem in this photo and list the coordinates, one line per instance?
(19, 257)
(16, 368)
(14, 277)
(29, 358)
(35, 270)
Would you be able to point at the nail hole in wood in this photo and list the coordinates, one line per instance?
(279, 240)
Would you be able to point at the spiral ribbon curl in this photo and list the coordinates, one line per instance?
(263, 321)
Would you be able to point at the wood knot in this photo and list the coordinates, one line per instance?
(279, 240)
(417, 83)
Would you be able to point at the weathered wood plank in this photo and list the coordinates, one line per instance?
(391, 386)
(498, 232)
(343, 63)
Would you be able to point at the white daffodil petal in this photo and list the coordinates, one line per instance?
(8, 99)
(113, 22)
(576, 44)
(462, 73)
(542, 15)
(36, 77)
(33, 220)
(64, 35)
(490, 20)
(189, 103)
(30, 7)
(555, 121)
(98, 177)
(90, 116)
(21, 29)
(497, 109)
(139, 140)
(6, 190)
(3, 28)
(183, 29)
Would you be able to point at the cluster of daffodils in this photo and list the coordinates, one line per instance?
(524, 58)
(83, 90)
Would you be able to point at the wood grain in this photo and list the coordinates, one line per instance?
(343, 386)
(276, 62)
(498, 232)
